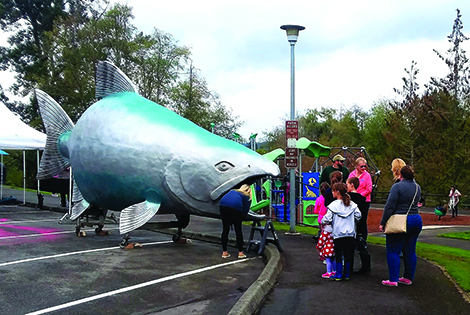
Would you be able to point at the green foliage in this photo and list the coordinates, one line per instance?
(458, 235)
(193, 100)
(14, 167)
(456, 81)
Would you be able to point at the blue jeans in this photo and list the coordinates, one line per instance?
(406, 243)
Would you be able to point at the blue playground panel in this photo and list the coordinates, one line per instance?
(280, 211)
(279, 208)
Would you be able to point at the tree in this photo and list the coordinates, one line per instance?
(193, 100)
(410, 87)
(316, 125)
(158, 64)
(457, 80)
(35, 53)
(28, 52)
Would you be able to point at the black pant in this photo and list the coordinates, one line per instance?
(344, 246)
(231, 216)
(455, 210)
(361, 239)
(63, 186)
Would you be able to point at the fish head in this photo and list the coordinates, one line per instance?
(200, 179)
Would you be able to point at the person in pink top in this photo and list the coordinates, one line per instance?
(365, 180)
(320, 207)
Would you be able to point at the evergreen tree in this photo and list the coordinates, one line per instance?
(457, 80)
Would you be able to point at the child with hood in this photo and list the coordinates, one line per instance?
(342, 214)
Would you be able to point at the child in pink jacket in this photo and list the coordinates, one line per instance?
(325, 246)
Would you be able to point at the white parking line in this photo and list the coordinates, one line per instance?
(39, 234)
(73, 253)
(135, 287)
(28, 221)
(44, 234)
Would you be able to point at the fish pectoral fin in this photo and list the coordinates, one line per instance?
(137, 215)
(76, 193)
(79, 208)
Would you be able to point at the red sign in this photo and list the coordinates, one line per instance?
(292, 129)
(291, 162)
(292, 152)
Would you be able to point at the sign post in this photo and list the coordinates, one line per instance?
(291, 162)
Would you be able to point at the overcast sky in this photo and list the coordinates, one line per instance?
(351, 52)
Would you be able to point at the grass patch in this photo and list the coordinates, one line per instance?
(285, 227)
(20, 189)
(459, 235)
(454, 260)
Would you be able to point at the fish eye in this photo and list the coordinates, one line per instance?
(223, 166)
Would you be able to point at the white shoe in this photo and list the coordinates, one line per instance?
(55, 195)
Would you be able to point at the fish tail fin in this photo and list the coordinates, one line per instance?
(110, 80)
(56, 123)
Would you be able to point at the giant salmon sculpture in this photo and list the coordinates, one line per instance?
(132, 155)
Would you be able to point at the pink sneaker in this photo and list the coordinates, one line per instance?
(327, 275)
(405, 281)
(389, 283)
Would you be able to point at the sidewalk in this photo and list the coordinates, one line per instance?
(301, 290)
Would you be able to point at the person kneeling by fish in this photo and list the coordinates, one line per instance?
(233, 207)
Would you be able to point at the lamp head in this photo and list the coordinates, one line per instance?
(292, 32)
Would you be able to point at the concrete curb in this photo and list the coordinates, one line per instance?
(251, 300)
(253, 297)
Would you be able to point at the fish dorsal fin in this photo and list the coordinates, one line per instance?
(78, 209)
(56, 122)
(138, 214)
(110, 80)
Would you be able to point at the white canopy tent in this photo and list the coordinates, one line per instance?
(16, 135)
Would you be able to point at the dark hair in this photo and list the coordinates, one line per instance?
(336, 177)
(341, 188)
(354, 181)
(407, 172)
(323, 188)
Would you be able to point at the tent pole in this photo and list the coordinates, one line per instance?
(1, 179)
(37, 159)
(24, 177)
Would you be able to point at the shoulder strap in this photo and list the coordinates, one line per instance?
(416, 192)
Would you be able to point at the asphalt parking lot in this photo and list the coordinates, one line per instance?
(46, 269)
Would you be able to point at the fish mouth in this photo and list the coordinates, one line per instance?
(234, 183)
(200, 188)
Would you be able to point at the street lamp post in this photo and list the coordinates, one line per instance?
(292, 32)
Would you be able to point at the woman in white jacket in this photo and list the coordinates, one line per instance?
(342, 214)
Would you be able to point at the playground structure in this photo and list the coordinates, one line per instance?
(270, 195)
